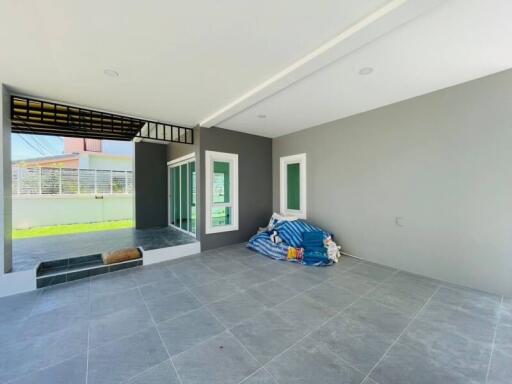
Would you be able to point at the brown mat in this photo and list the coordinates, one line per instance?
(120, 255)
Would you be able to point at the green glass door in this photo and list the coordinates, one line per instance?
(182, 199)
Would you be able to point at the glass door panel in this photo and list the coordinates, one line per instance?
(175, 196)
(184, 197)
(192, 195)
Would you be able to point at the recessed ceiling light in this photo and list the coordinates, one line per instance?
(365, 71)
(262, 116)
(111, 73)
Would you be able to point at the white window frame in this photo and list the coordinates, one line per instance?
(232, 158)
(283, 192)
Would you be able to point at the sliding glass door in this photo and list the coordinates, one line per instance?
(182, 195)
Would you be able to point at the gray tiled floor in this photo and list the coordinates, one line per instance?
(233, 316)
(28, 253)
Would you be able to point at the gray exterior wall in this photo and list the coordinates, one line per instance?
(254, 179)
(442, 162)
(5, 184)
(150, 185)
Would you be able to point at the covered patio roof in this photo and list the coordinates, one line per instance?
(49, 118)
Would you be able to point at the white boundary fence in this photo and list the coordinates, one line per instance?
(57, 196)
(70, 181)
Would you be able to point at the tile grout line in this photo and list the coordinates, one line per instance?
(401, 333)
(493, 343)
(26, 374)
(160, 336)
(239, 342)
(329, 319)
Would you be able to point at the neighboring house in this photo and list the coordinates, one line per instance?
(81, 153)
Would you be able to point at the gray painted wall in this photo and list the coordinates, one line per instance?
(442, 162)
(150, 185)
(255, 182)
(5, 184)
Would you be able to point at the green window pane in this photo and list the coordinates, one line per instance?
(293, 186)
(221, 216)
(184, 200)
(192, 196)
(176, 196)
(221, 182)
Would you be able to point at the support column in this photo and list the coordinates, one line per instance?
(5, 184)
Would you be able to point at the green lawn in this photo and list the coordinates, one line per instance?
(71, 228)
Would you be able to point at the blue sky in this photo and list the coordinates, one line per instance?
(30, 146)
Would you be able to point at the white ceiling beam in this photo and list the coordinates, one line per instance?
(385, 19)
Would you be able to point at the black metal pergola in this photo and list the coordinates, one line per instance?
(48, 118)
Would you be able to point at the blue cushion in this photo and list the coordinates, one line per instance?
(292, 231)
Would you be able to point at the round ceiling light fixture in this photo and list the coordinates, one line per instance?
(261, 116)
(365, 71)
(111, 73)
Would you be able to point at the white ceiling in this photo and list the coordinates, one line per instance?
(458, 41)
(202, 61)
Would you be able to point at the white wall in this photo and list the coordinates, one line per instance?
(35, 211)
(442, 162)
(106, 162)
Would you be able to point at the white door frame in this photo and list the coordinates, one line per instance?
(177, 163)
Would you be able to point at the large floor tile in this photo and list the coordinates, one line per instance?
(105, 304)
(73, 371)
(17, 307)
(405, 299)
(56, 320)
(27, 356)
(373, 271)
(270, 293)
(266, 335)
(121, 360)
(506, 311)
(460, 321)
(161, 288)
(503, 340)
(215, 291)
(151, 274)
(404, 364)
(299, 281)
(221, 360)
(61, 295)
(303, 313)
(278, 267)
(236, 308)
(188, 330)
(228, 267)
(357, 284)
(475, 302)
(455, 352)
(114, 325)
(249, 278)
(385, 320)
(110, 283)
(261, 376)
(354, 341)
(311, 363)
(195, 273)
(162, 373)
(171, 306)
(500, 370)
(255, 260)
(332, 296)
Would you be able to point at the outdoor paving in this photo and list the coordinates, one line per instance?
(28, 253)
(233, 316)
